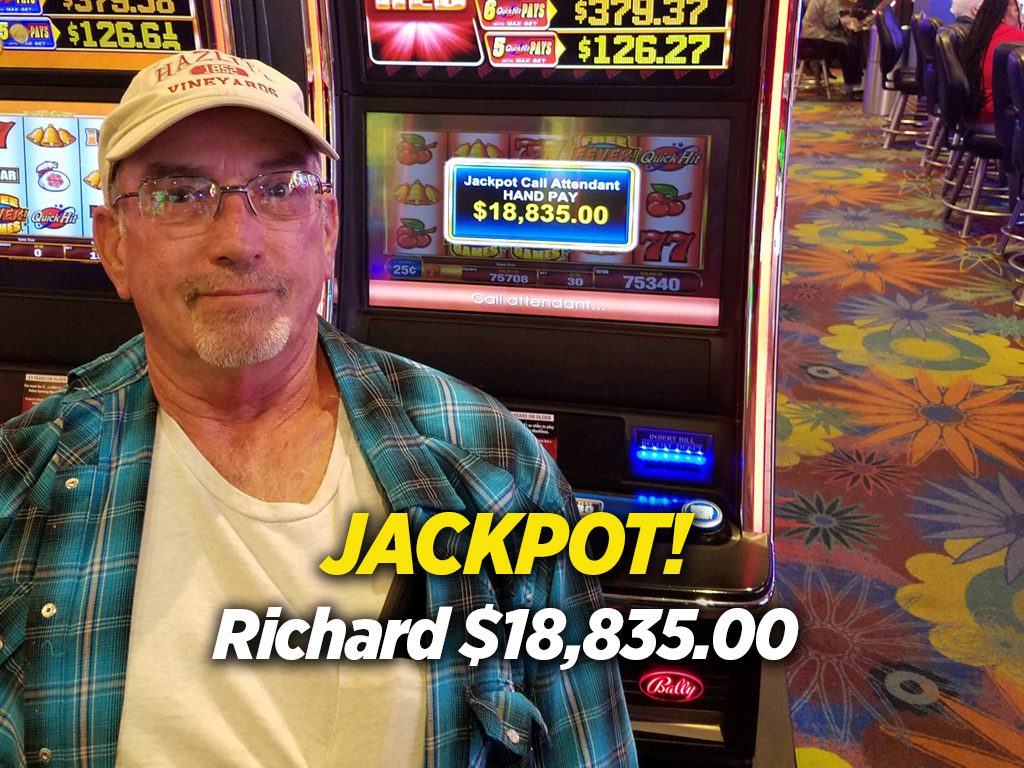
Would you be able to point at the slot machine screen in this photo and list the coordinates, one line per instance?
(644, 41)
(607, 218)
(49, 179)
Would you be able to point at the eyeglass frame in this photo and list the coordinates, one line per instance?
(325, 188)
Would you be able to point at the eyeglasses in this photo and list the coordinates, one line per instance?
(277, 196)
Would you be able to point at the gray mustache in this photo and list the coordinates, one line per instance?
(239, 282)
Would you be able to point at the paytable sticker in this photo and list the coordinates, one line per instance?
(523, 49)
(540, 203)
(39, 386)
(21, 7)
(515, 14)
(430, 33)
(17, 33)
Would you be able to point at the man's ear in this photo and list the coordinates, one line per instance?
(331, 225)
(110, 246)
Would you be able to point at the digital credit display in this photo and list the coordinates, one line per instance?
(585, 217)
(551, 34)
(49, 184)
(539, 203)
(136, 26)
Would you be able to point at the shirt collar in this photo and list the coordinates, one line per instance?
(395, 450)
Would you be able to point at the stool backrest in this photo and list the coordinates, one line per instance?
(954, 88)
(1005, 113)
(921, 63)
(890, 41)
(1015, 86)
(923, 31)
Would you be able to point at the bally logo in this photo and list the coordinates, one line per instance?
(54, 217)
(218, 69)
(671, 685)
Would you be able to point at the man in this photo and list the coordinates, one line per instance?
(822, 24)
(213, 462)
(964, 11)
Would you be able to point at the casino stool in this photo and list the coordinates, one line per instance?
(923, 32)
(1016, 263)
(974, 155)
(893, 45)
(1005, 116)
(950, 109)
(1014, 85)
(808, 51)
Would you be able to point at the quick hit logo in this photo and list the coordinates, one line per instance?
(670, 158)
(54, 217)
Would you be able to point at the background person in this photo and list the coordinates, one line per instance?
(997, 21)
(823, 25)
(213, 462)
(964, 11)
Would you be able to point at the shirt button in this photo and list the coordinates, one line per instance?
(513, 735)
(1, 644)
(71, 483)
(49, 610)
(45, 755)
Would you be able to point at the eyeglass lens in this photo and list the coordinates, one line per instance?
(180, 199)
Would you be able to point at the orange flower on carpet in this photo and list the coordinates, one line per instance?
(934, 417)
(995, 732)
(850, 266)
(818, 193)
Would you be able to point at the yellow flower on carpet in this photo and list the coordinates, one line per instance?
(789, 275)
(914, 184)
(876, 269)
(808, 109)
(984, 358)
(795, 438)
(835, 173)
(887, 237)
(812, 757)
(839, 143)
(978, 252)
(976, 616)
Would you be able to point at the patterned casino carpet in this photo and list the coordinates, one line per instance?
(900, 480)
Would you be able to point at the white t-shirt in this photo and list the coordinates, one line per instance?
(207, 546)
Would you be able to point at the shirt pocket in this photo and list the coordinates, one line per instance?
(510, 724)
(14, 599)
(13, 618)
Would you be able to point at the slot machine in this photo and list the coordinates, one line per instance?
(64, 65)
(576, 205)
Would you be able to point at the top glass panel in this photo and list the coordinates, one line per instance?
(559, 40)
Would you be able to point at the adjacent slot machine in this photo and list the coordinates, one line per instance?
(64, 65)
(576, 205)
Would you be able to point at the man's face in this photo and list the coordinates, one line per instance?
(240, 289)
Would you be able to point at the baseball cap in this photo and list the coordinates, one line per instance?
(171, 89)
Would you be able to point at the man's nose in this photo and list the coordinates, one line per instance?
(234, 235)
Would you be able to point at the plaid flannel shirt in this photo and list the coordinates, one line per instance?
(75, 471)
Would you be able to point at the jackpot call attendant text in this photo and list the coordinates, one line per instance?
(544, 634)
